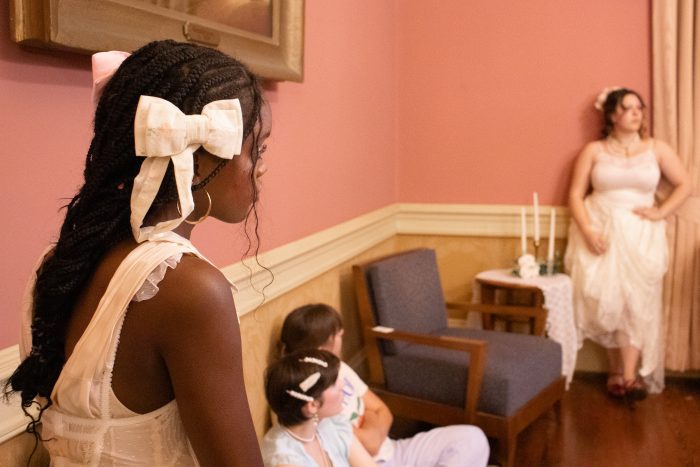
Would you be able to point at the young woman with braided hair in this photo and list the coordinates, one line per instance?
(134, 354)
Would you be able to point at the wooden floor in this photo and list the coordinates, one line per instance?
(593, 430)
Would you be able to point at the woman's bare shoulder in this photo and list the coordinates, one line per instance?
(195, 284)
(660, 147)
(588, 153)
(192, 298)
(592, 148)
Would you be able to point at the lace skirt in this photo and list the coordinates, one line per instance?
(618, 295)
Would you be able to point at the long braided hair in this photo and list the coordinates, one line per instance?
(97, 218)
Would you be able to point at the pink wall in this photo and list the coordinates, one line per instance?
(331, 156)
(479, 102)
(45, 126)
(495, 98)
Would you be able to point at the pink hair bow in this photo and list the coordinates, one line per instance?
(162, 133)
(104, 65)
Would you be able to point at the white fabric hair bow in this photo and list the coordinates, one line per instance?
(162, 133)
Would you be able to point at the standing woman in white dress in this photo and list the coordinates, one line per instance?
(617, 252)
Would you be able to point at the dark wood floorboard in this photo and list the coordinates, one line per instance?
(591, 429)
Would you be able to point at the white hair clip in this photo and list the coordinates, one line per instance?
(309, 382)
(315, 360)
(300, 396)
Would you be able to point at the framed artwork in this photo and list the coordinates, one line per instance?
(267, 35)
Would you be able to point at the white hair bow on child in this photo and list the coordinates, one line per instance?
(162, 133)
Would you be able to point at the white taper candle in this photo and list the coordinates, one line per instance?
(550, 246)
(523, 232)
(536, 220)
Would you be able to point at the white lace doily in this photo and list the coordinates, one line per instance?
(560, 326)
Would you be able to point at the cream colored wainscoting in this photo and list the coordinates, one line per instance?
(260, 328)
(467, 239)
(11, 416)
(15, 452)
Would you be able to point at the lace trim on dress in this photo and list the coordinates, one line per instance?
(149, 289)
(644, 157)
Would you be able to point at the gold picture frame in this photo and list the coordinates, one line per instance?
(89, 26)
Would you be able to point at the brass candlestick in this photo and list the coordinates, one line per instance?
(536, 244)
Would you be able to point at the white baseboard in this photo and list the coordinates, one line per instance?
(302, 260)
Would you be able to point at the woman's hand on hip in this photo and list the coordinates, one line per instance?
(652, 213)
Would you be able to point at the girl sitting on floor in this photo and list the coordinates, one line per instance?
(304, 391)
(320, 326)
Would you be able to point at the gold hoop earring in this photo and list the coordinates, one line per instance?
(206, 214)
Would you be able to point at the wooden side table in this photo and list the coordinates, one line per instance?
(545, 301)
(503, 297)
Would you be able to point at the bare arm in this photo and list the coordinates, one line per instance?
(580, 182)
(200, 343)
(358, 455)
(675, 173)
(376, 423)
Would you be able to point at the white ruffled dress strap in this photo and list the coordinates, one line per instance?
(92, 356)
(150, 288)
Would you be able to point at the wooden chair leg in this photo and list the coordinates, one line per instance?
(487, 297)
(506, 449)
(557, 409)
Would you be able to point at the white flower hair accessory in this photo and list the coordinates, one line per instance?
(603, 96)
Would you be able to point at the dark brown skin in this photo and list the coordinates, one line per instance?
(166, 350)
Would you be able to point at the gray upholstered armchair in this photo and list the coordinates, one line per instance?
(425, 370)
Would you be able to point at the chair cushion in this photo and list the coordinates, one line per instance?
(407, 294)
(518, 367)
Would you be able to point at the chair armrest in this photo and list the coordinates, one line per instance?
(446, 342)
(477, 359)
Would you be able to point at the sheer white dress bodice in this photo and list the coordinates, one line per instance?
(626, 183)
(87, 424)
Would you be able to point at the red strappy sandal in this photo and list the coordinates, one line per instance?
(635, 389)
(615, 385)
